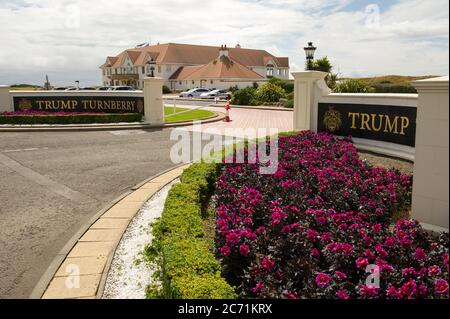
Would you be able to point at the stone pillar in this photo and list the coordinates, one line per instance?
(308, 86)
(153, 102)
(431, 166)
(5, 99)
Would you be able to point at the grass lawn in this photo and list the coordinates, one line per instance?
(188, 116)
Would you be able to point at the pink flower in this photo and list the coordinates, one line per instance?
(225, 251)
(259, 286)
(420, 254)
(312, 234)
(290, 295)
(393, 293)
(408, 272)
(368, 292)
(323, 280)
(441, 287)
(232, 238)
(267, 264)
(315, 253)
(340, 275)
(343, 294)
(244, 250)
(362, 263)
(434, 270)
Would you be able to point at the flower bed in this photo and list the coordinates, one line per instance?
(21, 118)
(311, 229)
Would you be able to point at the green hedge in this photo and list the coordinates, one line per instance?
(189, 268)
(70, 118)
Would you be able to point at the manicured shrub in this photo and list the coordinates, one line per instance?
(269, 92)
(68, 118)
(244, 97)
(311, 229)
(286, 85)
(166, 89)
(353, 86)
(189, 269)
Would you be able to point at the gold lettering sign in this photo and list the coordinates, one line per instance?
(395, 124)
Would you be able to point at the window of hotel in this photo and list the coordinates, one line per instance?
(279, 71)
(159, 69)
(193, 82)
(212, 82)
(143, 69)
(269, 72)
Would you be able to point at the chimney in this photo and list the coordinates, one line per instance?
(223, 51)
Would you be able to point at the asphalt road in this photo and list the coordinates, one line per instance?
(52, 183)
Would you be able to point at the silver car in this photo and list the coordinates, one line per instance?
(194, 93)
(220, 94)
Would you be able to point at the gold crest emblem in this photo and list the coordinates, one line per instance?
(140, 106)
(332, 120)
(25, 105)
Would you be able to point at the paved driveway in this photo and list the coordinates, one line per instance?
(52, 183)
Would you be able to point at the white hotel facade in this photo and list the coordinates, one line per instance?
(185, 66)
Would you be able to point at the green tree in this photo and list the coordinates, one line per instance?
(269, 93)
(324, 65)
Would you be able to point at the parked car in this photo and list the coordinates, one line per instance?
(89, 88)
(58, 88)
(72, 88)
(194, 92)
(104, 88)
(221, 94)
(122, 88)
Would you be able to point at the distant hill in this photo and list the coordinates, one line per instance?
(26, 87)
(393, 83)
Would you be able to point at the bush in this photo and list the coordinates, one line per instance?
(407, 89)
(244, 97)
(353, 86)
(286, 85)
(311, 229)
(69, 118)
(189, 269)
(166, 89)
(269, 93)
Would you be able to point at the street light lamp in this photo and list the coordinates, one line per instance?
(310, 50)
(151, 63)
(78, 84)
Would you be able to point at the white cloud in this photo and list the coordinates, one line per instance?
(69, 39)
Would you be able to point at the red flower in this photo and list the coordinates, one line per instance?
(343, 294)
(244, 250)
(441, 287)
(323, 280)
(225, 251)
(362, 263)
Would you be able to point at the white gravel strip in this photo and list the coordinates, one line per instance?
(129, 275)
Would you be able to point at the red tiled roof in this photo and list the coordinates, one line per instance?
(199, 55)
(220, 68)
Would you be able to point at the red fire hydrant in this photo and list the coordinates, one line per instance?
(227, 108)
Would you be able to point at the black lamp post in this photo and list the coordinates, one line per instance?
(152, 64)
(310, 50)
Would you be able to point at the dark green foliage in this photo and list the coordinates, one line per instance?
(70, 119)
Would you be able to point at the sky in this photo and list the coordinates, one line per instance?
(70, 39)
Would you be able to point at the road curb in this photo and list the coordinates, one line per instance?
(218, 116)
(92, 285)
